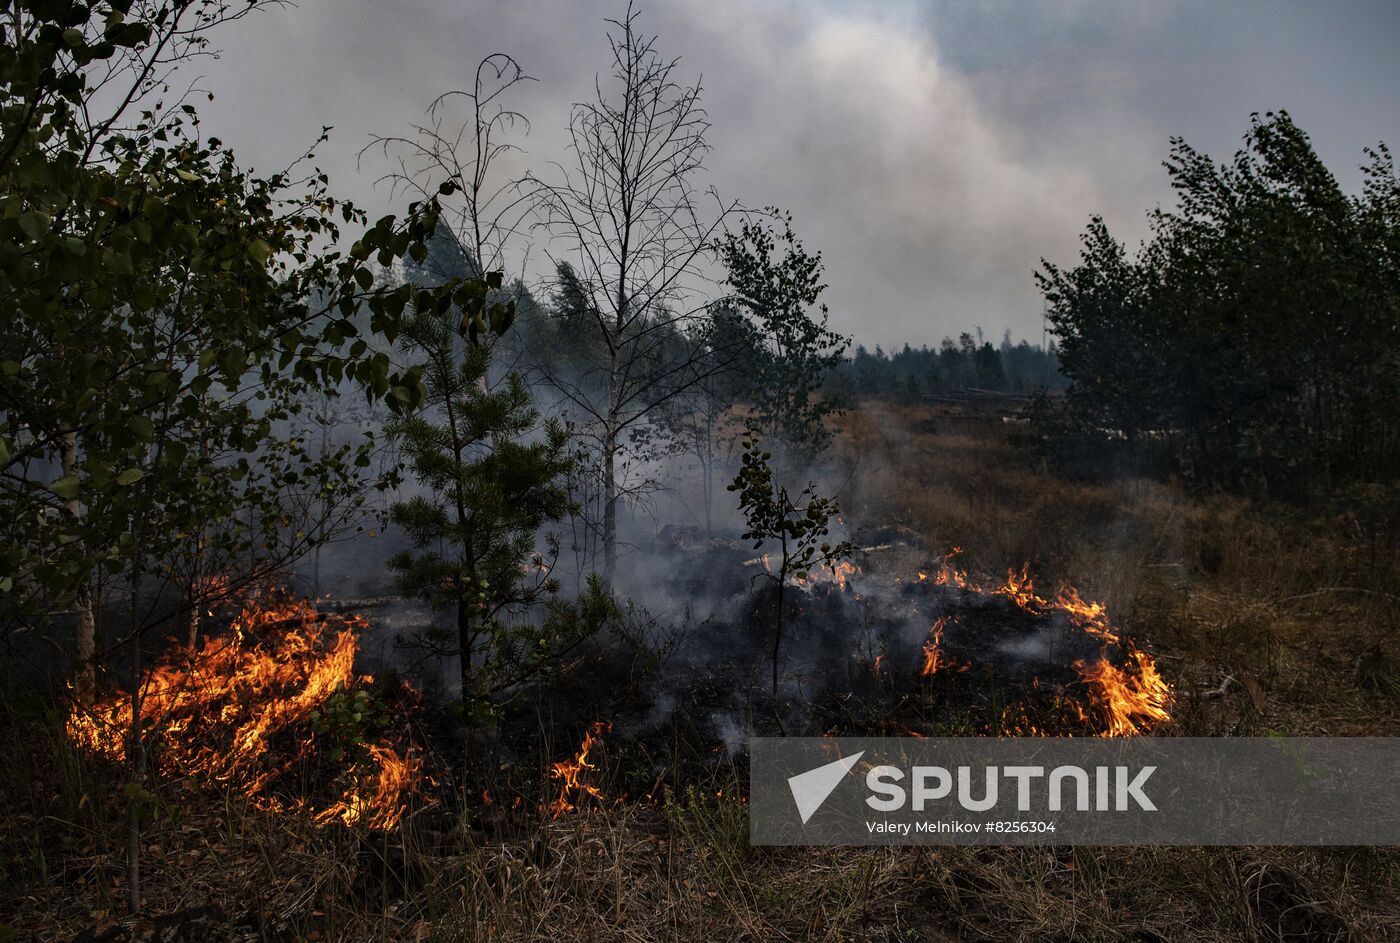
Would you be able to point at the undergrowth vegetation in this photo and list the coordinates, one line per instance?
(1266, 620)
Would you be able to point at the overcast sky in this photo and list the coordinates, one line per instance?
(933, 151)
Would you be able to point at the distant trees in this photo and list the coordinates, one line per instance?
(629, 213)
(914, 372)
(1258, 333)
(700, 422)
(1100, 315)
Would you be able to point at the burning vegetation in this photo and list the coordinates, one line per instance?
(1123, 694)
(275, 710)
(571, 774)
(947, 652)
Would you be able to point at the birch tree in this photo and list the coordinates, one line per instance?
(632, 228)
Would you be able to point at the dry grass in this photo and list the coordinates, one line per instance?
(683, 870)
(1218, 587)
(1215, 586)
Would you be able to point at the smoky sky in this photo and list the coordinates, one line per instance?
(933, 152)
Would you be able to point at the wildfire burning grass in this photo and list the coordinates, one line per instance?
(570, 773)
(1123, 700)
(1107, 685)
(1220, 585)
(253, 709)
(246, 709)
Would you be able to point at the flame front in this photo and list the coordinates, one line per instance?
(235, 711)
(378, 801)
(1123, 701)
(1091, 616)
(1130, 700)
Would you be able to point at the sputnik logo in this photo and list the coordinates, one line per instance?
(810, 789)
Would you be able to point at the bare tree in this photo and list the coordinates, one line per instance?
(628, 213)
(453, 156)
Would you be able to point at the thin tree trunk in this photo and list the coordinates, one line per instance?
(609, 507)
(316, 556)
(86, 640)
(610, 475)
(464, 646)
(707, 471)
(777, 639)
(708, 485)
(615, 401)
(197, 591)
(136, 759)
(778, 631)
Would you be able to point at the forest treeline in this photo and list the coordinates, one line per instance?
(1254, 339)
(968, 363)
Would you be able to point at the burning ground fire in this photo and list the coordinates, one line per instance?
(274, 709)
(252, 709)
(1091, 676)
(1126, 701)
(570, 773)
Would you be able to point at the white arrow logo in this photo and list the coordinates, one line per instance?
(810, 789)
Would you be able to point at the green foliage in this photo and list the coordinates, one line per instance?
(492, 472)
(169, 314)
(347, 722)
(781, 353)
(1100, 314)
(800, 526)
(1257, 332)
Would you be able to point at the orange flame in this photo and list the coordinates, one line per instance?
(216, 710)
(569, 772)
(1123, 702)
(949, 575)
(839, 574)
(1088, 615)
(1131, 701)
(931, 648)
(389, 781)
(1019, 589)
